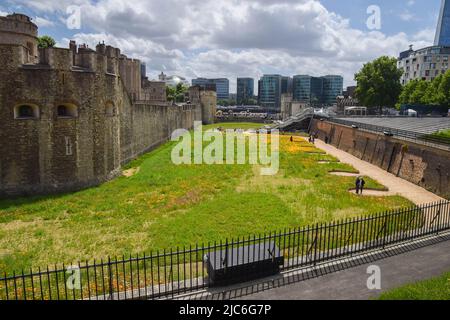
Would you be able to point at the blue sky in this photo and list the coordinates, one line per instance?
(231, 38)
(397, 15)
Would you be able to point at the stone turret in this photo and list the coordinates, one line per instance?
(17, 29)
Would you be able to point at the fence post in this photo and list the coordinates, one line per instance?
(110, 279)
(386, 219)
(315, 244)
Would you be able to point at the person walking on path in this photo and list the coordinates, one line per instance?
(360, 183)
(357, 185)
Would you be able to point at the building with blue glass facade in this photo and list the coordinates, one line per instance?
(317, 90)
(245, 90)
(333, 86)
(443, 29)
(222, 86)
(270, 89)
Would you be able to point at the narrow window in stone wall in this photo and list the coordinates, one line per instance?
(26, 111)
(30, 51)
(110, 110)
(69, 151)
(67, 110)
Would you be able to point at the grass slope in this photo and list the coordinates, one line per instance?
(164, 206)
(433, 289)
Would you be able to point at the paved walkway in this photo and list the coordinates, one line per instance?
(398, 186)
(351, 284)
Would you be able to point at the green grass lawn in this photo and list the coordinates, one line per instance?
(433, 289)
(164, 206)
(443, 136)
(443, 133)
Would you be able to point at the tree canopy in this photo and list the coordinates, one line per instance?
(177, 93)
(378, 83)
(422, 92)
(46, 42)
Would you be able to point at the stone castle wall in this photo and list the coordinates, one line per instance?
(422, 165)
(110, 119)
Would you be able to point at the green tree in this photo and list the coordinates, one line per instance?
(444, 90)
(407, 91)
(435, 92)
(176, 94)
(433, 95)
(419, 95)
(46, 42)
(378, 83)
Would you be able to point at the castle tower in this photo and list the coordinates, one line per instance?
(443, 29)
(17, 29)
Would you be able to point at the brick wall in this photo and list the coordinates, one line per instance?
(55, 154)
(425, 166)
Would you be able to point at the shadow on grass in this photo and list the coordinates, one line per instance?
(8, 203)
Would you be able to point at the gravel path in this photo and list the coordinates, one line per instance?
(396, 186)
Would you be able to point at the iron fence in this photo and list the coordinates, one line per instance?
(422, 138)
(167, 273)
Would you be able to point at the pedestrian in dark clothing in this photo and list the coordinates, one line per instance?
(360, 183)
(292, 139)
(357, 185)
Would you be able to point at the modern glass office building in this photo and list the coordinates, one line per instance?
(286, 85)
(245, 90)
(443, 29)
(270, 92)
(307, 89)
(317, 90)
(333, 86)
(222, 86)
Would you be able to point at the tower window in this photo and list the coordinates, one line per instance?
(67, 111)
(110, 109)
(26, 111)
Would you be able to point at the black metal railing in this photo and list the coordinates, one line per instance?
(167, 273)
(422, 138)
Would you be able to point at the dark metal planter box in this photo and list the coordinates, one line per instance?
(234, 265)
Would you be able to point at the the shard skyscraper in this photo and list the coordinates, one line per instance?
(443, 28)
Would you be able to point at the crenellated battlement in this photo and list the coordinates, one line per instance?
(17, 29)
(18, 23)
(71, 117)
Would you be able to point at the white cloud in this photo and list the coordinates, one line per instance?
(43, 22)
(231, 38)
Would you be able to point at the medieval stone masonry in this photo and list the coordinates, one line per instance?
(70, 118)
(422, 165)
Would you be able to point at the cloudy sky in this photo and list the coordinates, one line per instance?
(236, 38)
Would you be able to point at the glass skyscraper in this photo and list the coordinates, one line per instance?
(245, 90)
(270, 92)
(332, 88)
(317, 90)
(443, 28)
(307, 89)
